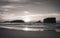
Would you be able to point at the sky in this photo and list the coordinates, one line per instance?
(29, 10)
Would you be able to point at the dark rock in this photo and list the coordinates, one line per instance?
(38, 21)
(50, 20)
(17, 21)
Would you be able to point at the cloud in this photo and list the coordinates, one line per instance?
(45, 7)
(20, 1)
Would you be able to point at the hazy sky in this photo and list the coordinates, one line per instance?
(29, 9)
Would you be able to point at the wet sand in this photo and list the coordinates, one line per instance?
(7, 33)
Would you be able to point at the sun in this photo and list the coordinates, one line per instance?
(27, 19)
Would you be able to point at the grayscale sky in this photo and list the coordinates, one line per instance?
(29, 10)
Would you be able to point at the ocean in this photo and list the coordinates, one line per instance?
(7, 32)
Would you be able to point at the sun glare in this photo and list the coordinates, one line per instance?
(26, 29)
(27, 19)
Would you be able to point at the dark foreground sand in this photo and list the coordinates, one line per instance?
(6, 33)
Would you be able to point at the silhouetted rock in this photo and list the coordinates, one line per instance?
(5, 22)
(38, 21)
(50, 20)
(17, 21)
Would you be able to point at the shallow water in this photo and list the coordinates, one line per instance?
(6, 32)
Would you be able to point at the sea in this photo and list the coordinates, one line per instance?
(23, 30)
